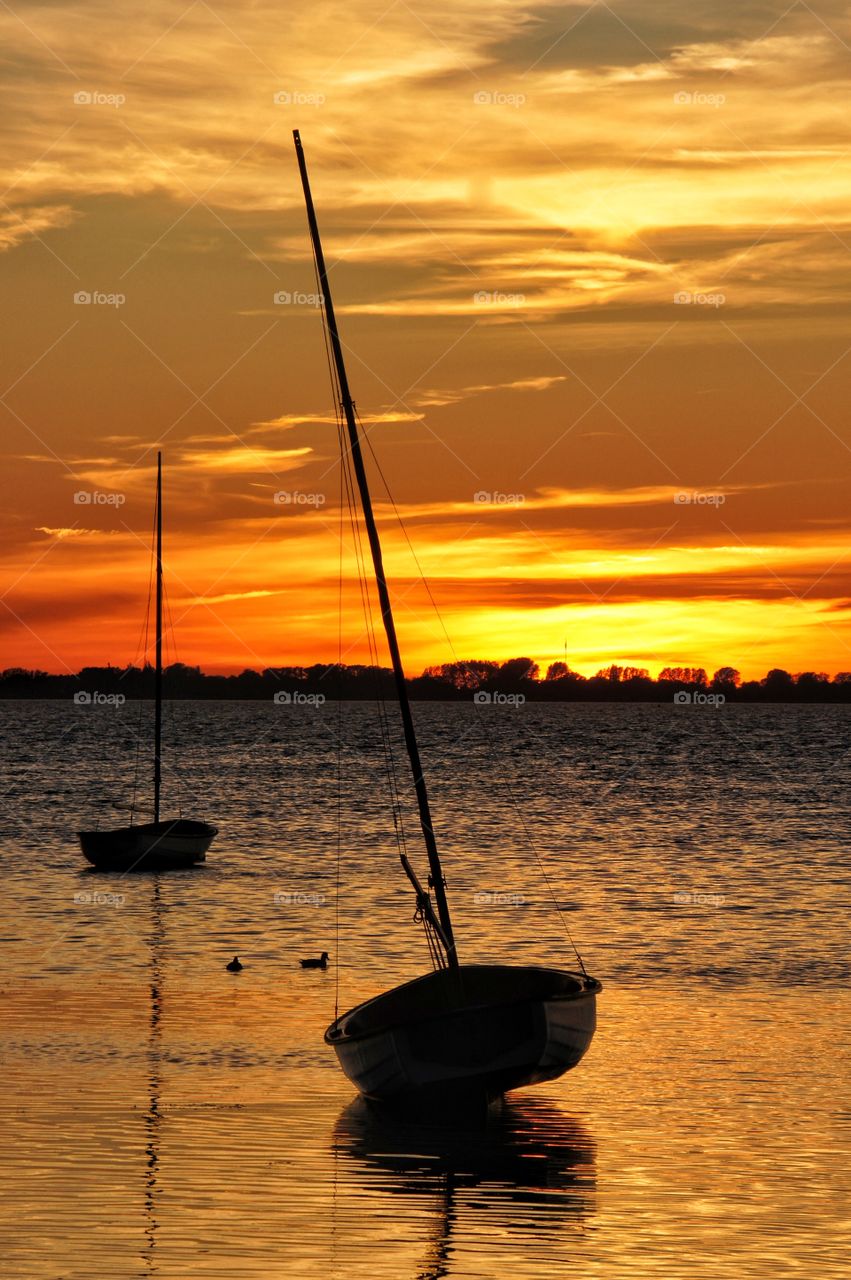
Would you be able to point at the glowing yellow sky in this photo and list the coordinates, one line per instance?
(592, 269)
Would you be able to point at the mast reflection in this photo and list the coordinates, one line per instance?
(153, 1117)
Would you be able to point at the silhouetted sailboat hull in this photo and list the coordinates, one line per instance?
(481, 1031)
(153, 846)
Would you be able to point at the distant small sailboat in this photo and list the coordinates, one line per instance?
(463, 1033)
(152, 846)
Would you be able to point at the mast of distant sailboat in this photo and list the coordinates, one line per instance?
(436, 880)
(158, 676)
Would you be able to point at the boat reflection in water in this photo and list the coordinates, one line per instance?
(528, 1169)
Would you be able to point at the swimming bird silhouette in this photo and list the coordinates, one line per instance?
(234, 966)
(321, 963)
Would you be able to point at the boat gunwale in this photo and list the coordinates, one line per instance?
(165, 826)
(336, 1034)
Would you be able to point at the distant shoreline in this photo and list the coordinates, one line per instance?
(449, 701)
(489, 684)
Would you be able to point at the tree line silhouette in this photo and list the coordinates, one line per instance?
(518, 678)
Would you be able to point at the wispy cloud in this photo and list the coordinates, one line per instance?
(227, 597)
(18, 225)
(73, 531)
(443, 396)
(288, 420)
(238, 458)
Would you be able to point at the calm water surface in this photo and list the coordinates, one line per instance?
(163, 1117)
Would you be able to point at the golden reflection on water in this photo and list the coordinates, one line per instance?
(164, 1118)
(693, 1142)
(529, 1167)
(153, 1117)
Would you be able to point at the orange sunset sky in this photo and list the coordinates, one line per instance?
(592, 257)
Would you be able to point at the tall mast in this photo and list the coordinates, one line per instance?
(436, 878)
(158, 678)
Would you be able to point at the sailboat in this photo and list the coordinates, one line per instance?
(465, 1032)
(157, 845)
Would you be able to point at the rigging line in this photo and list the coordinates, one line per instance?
(141, 653)
(488, 744)
(336, 389)
(389, 760)
(369, 609)
(347, 487)
(367, 606)
(387, 741)
(437, 959)
(398, 826)
(139, 738)
(339, 754)
(143, 632)
(436, 956)
(170, 639)
(435, 953)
